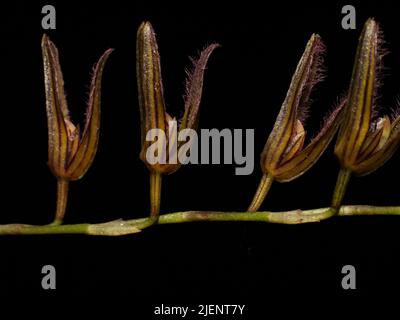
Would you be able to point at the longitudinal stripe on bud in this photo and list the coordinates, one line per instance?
(57, 109)
(304, 78)
(86, 150)
(356, 124)
(150, 87)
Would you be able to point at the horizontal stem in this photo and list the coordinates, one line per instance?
(286, 217)
(363, 210)
(27, 229)
(123, 227)
(112, 228)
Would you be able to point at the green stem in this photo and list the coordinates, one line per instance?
(363, 210)
(25, 229)
(261, 193)
(340, 189)
(287, 217)
(112, 228)
(121, 227)
(62, 198)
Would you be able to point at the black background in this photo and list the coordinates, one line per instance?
(245, 84)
